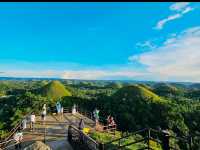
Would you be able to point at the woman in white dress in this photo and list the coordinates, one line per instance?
(32, 117)
(44, 112)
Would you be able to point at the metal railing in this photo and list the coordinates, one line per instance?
(9, 138)
(80, 140)
(9, 142)
(159, 137)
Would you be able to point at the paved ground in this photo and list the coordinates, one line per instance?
(60, 145)
(54, 130)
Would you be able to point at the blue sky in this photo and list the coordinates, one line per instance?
(139, 41)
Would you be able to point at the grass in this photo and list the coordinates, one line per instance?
(103, 137)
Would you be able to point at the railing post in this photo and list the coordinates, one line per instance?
(44, 131)
(69, 134)
(101, 146)
(148, 138)
(190, 142)
(166, 141)
(119, 143)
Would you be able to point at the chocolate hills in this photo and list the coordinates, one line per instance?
(164, 89)
(54, 90)
(138, 106)
(134, 92)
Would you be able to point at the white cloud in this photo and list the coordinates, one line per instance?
(75, 74)
(147, 44)
(188, 9)
(99, 74)
(31, 73)
(133, 58)
(181, 8)
(178, 58)
(161, 23)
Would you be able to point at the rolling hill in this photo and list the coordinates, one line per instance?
(138, 106)
(136, 92)
(54, 90)
(164, 89)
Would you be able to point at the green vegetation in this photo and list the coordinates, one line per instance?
(105, 138)
(135, 107)
(167, 90)
(114, 85)
(175, 106)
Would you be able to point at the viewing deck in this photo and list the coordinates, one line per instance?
(52, 132)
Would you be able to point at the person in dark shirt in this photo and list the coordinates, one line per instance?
(81, 124)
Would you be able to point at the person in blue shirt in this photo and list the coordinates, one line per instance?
(58, 107)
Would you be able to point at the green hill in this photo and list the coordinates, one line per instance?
(146, 86)
(54, 90)
(164, 89)
(135, 107)
(136, 92)
(195, 86)
(114, 85)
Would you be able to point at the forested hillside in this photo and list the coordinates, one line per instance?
(134, 106)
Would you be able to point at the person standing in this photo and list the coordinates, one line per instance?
(112, 123)
(18, 137)
(44, 110)
(32, 121)
(58, 107)
(24, 123)
(81, 124)
(44, 113)
(109, 120)
(96, 116)
(62, 112)
(74, 109)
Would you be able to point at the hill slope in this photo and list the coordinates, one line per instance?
(164, 89)
(135, 107)
(137, 92)
(54, 90)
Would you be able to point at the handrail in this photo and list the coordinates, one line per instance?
(136, 132)
(12, 132)
(83, 139)
(183, 139)
(84, 134)
(4, 142)
(10, 145)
